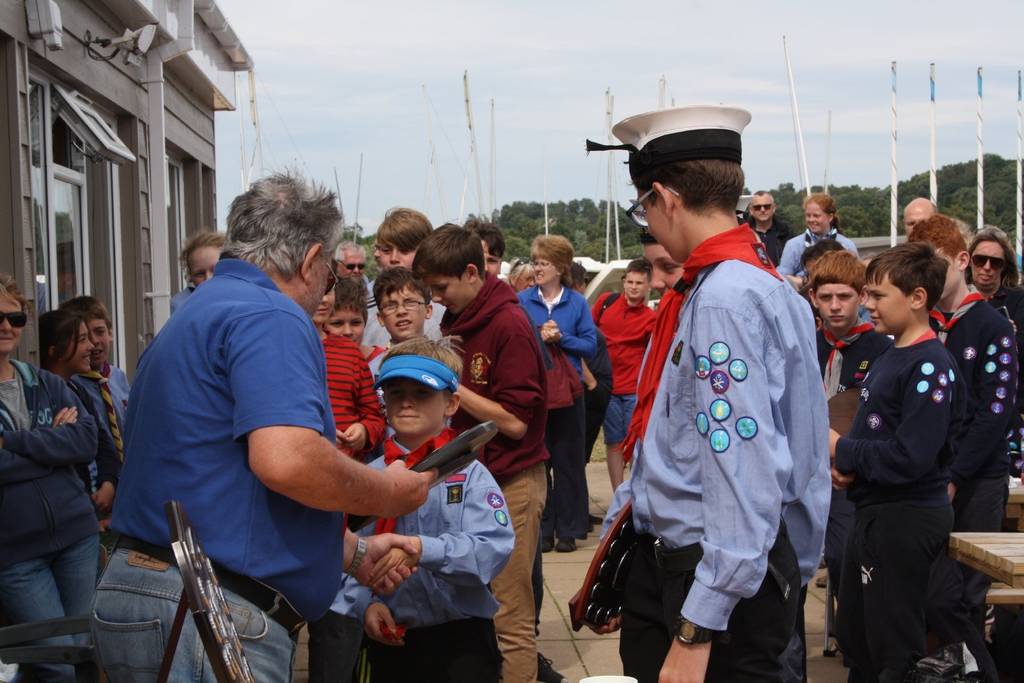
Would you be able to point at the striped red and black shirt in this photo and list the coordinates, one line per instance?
(350, 387)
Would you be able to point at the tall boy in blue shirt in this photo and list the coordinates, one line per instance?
(439, 625)
(894, 467)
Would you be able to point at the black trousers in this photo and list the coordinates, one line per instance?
(567, 511)
(334, 642)
(956, 593)
(463, 651)
(759, 628)
(596, 403)
(884, 589)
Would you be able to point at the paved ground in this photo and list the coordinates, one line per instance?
(581, 654)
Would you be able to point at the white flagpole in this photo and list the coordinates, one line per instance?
(662, 87)
(545, 196)
(893, 179)
(981, 157)
(1020, 164)
(828, 150)
(933, 178)
(801, 153)
(608, 200)
(241, 139)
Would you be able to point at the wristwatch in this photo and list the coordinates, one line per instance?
(690, 633)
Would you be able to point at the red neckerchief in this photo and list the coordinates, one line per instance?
(393, 452)
(834, 365)
(738, 244)
(927, 336)
(946, 324)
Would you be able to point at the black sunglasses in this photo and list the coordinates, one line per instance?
(332, 281)
(355, 266)
(994, 262)
(16, 319)
(760, 207)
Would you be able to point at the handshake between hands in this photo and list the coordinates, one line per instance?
(390, 559)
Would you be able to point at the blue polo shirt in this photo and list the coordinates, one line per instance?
(241, 356)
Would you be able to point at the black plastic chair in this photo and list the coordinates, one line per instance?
(15, 650)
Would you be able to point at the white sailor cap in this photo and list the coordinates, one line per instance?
(679, 134)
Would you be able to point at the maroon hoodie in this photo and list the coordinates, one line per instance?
(502, 362)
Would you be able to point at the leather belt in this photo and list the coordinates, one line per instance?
(677, 560)
(265, 598)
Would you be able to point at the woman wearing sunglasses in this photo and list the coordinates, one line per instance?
(49, 544)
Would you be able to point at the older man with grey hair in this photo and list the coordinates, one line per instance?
(229, 415)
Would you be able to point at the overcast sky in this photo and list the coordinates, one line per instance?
(336, 79)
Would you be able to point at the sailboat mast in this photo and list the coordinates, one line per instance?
(608, 201)
(893, 177)
(359, 193)
(828, 150)
(933, 179)
(434, 168)
(494, 163)
(473, 151)
(981, 157)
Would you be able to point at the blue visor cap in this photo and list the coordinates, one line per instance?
(428, 371)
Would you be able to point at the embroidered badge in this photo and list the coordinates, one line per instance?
(938, 395)
(495, 500)
(762, 255)
(922, 387)
(997, 407)
(501, 517)
(455, 494)
(927, 369)
(1006, 341)
(738, 370)
(479, 366)
(746, 427)
(970, 353)
(952, 377)
(719, 440)
(864, 394)
(942, 379)
(702, 424)
(719, 352)
(719, 382)
(677, 354)
(720, 409)
(990, 367)
(863, 365)
(1004, 375)
(1000, 392)
(874, 421)
(1005, 358)
(703, 367)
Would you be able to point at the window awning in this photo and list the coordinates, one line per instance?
(99, 138)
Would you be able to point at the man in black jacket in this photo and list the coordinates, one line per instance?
(771, 229)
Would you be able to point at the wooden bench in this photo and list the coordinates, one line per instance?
(1001, 594)
(1014, 518)
(997, 555)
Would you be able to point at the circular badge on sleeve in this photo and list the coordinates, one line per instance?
(719, 440)
(719, 352)
(746, 427)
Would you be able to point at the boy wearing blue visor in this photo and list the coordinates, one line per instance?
(439, 623)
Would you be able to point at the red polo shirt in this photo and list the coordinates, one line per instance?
(627, 329)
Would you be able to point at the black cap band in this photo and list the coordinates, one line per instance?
(690, 145)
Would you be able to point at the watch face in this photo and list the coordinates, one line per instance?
(688, 631)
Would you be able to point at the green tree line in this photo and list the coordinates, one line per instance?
(863, 211)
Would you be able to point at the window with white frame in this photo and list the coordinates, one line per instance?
(69, 140)
(176, 218)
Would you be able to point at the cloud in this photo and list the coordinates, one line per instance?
(340, 79)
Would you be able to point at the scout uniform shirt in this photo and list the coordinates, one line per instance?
(467, 538)
(737, 438)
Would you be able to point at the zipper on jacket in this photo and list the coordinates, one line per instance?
(50, 523)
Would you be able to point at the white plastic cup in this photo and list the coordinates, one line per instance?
(609, 679)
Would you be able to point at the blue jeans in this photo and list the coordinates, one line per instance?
(131, 622)
(58, 584)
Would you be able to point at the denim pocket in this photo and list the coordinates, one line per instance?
(250, 623)
(137, 647)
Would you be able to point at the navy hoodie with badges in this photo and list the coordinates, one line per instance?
(43, 506)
